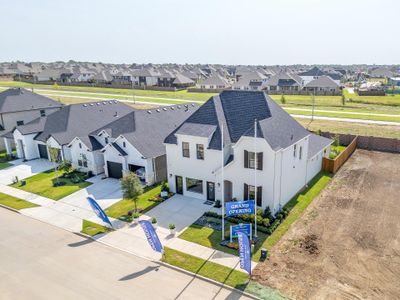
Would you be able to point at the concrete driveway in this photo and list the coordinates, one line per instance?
(24, 169)
(179, 210)
(105, 191)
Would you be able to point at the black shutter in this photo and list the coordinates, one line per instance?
(259, 161)
(259, 196)
(246, 159)
(245, 192)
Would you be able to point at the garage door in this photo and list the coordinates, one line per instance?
(43, 151)
(114, 169)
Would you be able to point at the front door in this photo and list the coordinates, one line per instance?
(179, 184)
(210, 191)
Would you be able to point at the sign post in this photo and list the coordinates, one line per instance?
(246, 228)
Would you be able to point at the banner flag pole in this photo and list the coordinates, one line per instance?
(255, 177)
(222, 182)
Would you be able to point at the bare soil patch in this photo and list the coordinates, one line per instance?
(347, 243)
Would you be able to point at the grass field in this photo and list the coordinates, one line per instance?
(14, 202)
(379, 108)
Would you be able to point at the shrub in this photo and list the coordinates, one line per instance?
(164, 187)
(171, 226)
(283, 99)
(153, 220)
(265, 222)
(212, 214)
(136, 215)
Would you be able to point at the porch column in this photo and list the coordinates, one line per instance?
(8, 145)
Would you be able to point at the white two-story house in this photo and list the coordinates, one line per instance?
(270, 167)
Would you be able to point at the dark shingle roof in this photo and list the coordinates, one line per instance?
(119, 149)
(147, 129)
(79, 120)
(315, 71)
(237, 111)
(316, 144)
(322, 82)
(17, 99)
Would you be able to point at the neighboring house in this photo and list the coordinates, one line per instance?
(394, 81)
(283, 83)
(104, 137)
(313, 73)
(60, 75)
(381, 73)
(135, 141)
(249, 81)
(19, 106)
(285, 154)
(181, 81)
(214, 82)
(323, 85)
(144, 77)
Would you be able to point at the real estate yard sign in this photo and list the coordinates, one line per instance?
(245, 228)
(245, 207)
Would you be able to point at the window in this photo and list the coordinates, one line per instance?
(194, 185)
(250, 160)
(294, 150)
(200, 151)
(19, 123)
(42, 113)
(300, 152)
(106, 140)
(249, 193)
(80, 146)
(124, 144)
(185, 149)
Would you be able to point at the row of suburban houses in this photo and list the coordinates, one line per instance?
(243, 133)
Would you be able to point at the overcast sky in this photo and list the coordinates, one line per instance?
(208, 31)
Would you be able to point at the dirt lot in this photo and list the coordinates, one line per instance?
(347, 244)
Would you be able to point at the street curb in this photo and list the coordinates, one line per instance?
(10, 208)
(220, 284)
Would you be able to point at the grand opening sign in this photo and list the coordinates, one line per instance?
(245, 207)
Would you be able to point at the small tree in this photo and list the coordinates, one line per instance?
(283, 99)
(131, 187)
(336, 140)
(54, 154)
(66, 167)
(343, 100)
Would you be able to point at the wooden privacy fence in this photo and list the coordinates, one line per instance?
(333, 165)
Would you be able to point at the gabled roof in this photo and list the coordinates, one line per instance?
(147, 129)
(323, 82)
(315, 71)
(216, 79)
(284, 79)
(237, 111)
(182, 79)
(76, 120)
(13, 100)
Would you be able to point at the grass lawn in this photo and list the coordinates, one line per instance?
(92, 229)
(297, 206)
(205, 268)
(121, 209)
(42, 184)
(15, 203)
(211, 238)
(4, 165)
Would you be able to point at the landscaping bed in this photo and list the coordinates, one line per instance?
(14, 202)
(93, 229)
(53, 184)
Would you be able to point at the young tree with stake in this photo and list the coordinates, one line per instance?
(131, 187)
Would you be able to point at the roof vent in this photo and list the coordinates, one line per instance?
(172, 107)
(291, 137)
(110, 102)
(179, 107)
(164, 109)
(158, 110)
(149, 111)
(91, 104)
(104, 102)
(186, 105)
(193, 104)
(85, 105)
(115, 101)
(98, 103)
